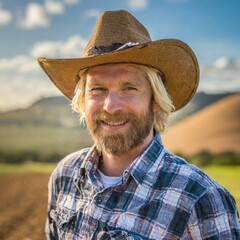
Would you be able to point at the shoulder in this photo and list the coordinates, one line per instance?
(204, 196)
(69, 167)
(191, 180)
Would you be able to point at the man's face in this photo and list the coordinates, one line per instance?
(118, 107)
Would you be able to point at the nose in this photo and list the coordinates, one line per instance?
(112, 103)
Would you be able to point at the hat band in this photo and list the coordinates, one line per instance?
(98, 50)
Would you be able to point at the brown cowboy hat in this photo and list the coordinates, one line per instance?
(120, 38)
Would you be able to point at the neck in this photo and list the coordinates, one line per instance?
(112, 165)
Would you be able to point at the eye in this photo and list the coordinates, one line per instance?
(130, 89)
(95, 91)
(98, 89)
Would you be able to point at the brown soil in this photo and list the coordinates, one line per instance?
(23, 201)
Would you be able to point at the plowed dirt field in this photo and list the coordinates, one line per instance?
(23, 204)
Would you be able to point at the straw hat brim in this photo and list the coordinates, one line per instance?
(172, 57)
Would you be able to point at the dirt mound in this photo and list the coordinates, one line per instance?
(23, 202)
(215, 129)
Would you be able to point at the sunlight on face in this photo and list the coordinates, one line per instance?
(118, 107)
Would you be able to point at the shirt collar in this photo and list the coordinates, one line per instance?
(90, 161)
(138, 169)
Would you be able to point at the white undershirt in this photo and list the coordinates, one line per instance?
(109, 181)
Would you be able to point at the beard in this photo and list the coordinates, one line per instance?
(115, 143)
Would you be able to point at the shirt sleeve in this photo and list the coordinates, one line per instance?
(214, 216)
(50, 227)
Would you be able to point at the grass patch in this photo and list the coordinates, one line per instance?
(27, 168)
(43, 139)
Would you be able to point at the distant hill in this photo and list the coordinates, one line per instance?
(215, 129)
(52, 111)
(199, 101)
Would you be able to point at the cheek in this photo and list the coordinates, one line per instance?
(91, 107)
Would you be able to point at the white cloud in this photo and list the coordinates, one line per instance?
(39, 15)
(93, 13)
(47, 49)
(222, 75)
(222, 63)
(72, 47)
(5, 17)
(19, 64)
(215, 85)
(227, 63)
(20, 91)
(54, 7)
(138, 4)
(36, 16)
(22, 82)
(223, 67)
(71, 2)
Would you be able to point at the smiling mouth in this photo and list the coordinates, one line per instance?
(110, 123)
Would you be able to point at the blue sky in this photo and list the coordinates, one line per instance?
(61, 28)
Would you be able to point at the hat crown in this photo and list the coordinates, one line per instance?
(114, 27)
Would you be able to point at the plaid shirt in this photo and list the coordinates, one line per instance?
(161, 197)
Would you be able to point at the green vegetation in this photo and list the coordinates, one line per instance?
(40, 144)
(206, 158)
(221, 159)
(27, 167)
(43, 138)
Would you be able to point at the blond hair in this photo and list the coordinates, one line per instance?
(160, 97)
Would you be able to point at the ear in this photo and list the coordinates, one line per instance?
(155, 107)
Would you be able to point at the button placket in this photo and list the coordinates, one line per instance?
(99, 198)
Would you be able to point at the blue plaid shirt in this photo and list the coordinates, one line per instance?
(161, 197)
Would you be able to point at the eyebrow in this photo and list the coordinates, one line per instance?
(127, 83)
(132, 83)
(95, 84)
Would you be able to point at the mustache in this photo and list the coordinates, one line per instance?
(118, 117)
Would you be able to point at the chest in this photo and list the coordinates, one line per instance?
(82, 212)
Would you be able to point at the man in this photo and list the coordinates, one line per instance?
(128, 186)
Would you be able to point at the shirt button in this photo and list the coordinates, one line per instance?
(99, 199)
